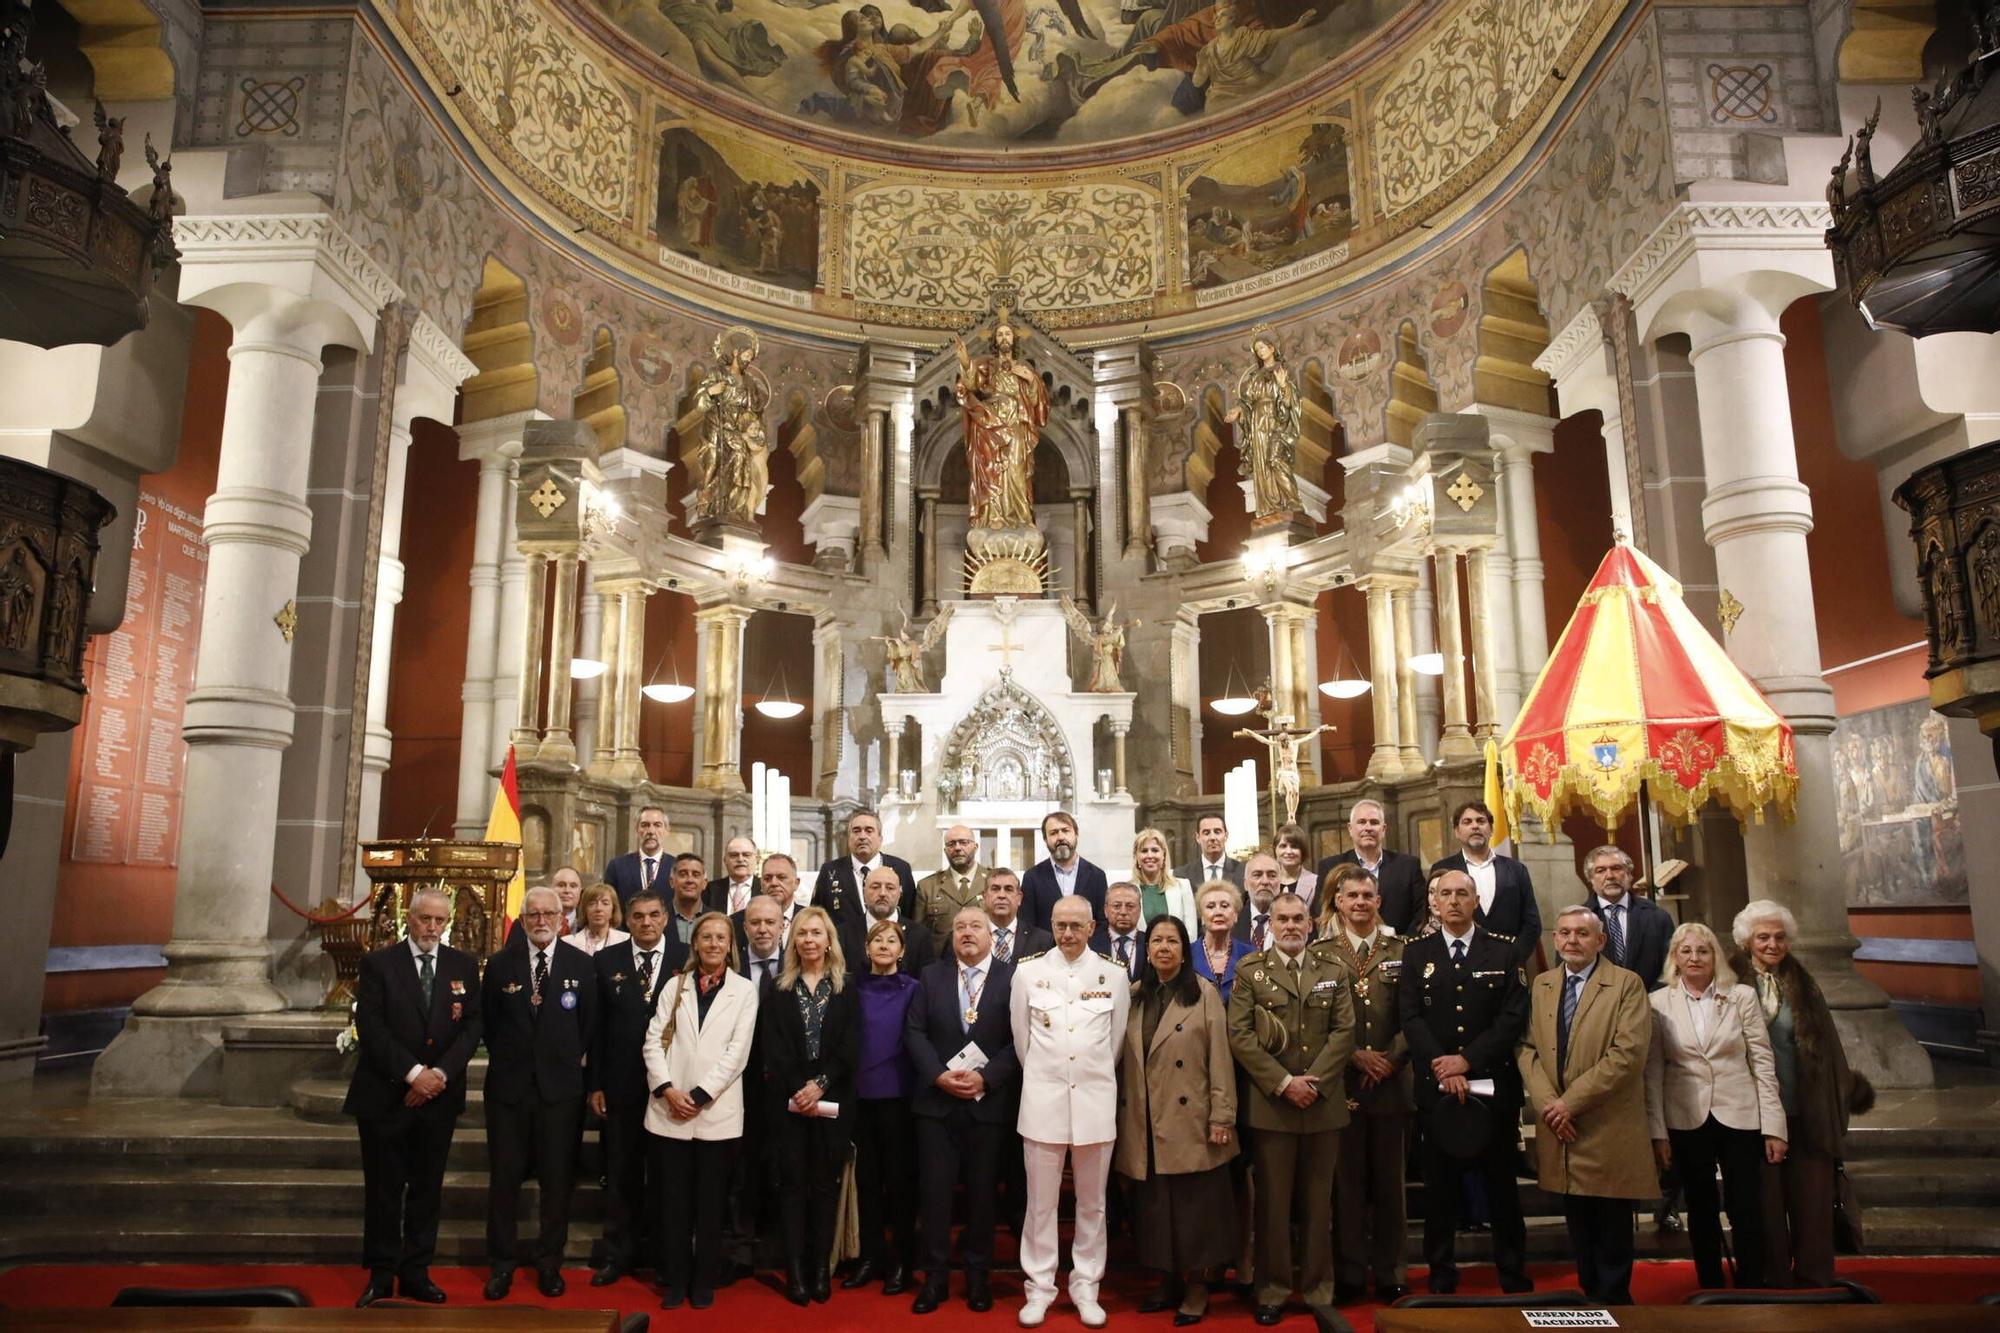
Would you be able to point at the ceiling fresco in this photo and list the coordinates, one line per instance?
(985, 74)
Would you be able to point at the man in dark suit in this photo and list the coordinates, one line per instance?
(417, 1016)
(732, 891)
(838, 888)
(540, 1007)
(1061, 874)
(685, 882)
(1212, 860)
(753, 1183)
(1120, 936)
(1013, 938)
(647, 867)
(880, 897)
(965, 1115)
(1506, 890)
(1399, 875)
(1636, 929)
(630, 976)
(1464, 1007)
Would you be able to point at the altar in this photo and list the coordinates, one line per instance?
(1005, 739)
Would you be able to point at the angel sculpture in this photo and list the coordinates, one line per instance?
(906, 651)
(1284, 741)
(1107, 646)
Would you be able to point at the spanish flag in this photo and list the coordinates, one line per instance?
(1495, 796)
(504, 825)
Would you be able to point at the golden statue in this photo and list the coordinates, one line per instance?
(1005, 405)
(906, 650)
(1285, 741)
(731, 457)
(1107, 646)
(1267, 402)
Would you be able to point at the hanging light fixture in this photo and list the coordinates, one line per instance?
(782, 706)
(1347, 682)
(1236, 699)
(1428, 664)
(586, 668)
(672, 693)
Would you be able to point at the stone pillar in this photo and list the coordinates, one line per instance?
(483, 635)
(1385, 761)
(534, 636)
(510, 640)
(832, 524)
(1423, 639)
(1725, 292)
(1118, 729)
(558, 745)
(612, 650)
(289, 286)
(1529, 608)
(874, 447)
(1402, 603)
(929, 605)
(892, 765)
(1455, 744)
(721, 698)
(627, 765)
(1478, 582)
(1079, 579)
(1138, 505)
(590, 622)
(1184, 685)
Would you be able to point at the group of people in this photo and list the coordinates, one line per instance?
(1238, 1059)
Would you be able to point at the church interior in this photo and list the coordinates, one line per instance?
(769, 411)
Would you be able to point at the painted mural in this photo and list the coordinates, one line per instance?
(977, 73)
(1899, 830)
(1284, 198)
(737, 208)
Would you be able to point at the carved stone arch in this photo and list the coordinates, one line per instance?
(1009, 747)
(1412, 392)
(599, 397)
(500, 339)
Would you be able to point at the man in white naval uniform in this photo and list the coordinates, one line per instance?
(1069, 1007)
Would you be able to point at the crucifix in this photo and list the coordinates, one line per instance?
(1284, 741)
(1006, 648)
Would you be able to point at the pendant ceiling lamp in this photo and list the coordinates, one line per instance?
(778, 703)
(1236, 700)
(1347, 682)
(667, 692)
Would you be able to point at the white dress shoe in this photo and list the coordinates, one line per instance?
(1034, 1312)
(1090, 1312)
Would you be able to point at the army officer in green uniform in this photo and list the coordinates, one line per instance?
(1291, 1027)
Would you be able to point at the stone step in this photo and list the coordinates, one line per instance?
(320, 1097)
(195, 1191)
(245, 1238)
(1925, 1182)
(305, 1145)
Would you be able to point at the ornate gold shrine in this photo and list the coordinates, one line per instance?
(474, 875)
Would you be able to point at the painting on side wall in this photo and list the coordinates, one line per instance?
(736, 208)
(1899, 830)
(1282, 199)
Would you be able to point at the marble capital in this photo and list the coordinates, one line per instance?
(284, 277)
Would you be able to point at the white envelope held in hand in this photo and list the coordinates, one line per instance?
(826, 1110)
(1479, 1087)
(969, 1060)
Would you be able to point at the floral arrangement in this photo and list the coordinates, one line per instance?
(350, 1036)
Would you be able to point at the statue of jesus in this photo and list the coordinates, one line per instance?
(1284, 741)
(1005, 406)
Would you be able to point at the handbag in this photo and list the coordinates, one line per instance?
(1848, 1233)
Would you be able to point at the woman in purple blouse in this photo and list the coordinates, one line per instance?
(884, 1176)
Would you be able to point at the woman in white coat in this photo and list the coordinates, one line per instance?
(696, 1048)
(1712, 1100)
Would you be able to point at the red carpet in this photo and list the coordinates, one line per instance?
(754, 1306)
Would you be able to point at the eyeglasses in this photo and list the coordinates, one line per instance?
(1060, 927)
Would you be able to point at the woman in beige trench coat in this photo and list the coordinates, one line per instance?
(1177, 1123)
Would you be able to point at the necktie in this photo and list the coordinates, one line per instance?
(1614, 931)
(426, 975)
(964, 885)
(1572, 991)
(1361, 954)
(1002, 949)
(1457, 952)
(646, 973)
(649, 874)
(1215, 872)
(1124, 951)
(541, 975)
(1257, 931)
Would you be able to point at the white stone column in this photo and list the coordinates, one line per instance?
(1724, 279)
(1423, 640)
(426, 386)
(627, 766)
(1184, 683)
(592, 694)
(483, 631)
(527, 740)
(1385, 761)
(1455, 744)
(1524, 541)
(1403, 608)
(510, 640)
(288, 285)
(558, 742)
(1482, 624)
(721, 698)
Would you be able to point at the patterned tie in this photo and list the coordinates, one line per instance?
(1614, 931)
(1003, 949)
(1572, 991)
(649, 874)
(1458, 953)
(1125, 952)
(541, 975)
(426, 975)
(646, 974)
(1257, 932)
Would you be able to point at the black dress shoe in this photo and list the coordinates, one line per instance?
(1392, 1293)
(671, 1298)
(929, 1298)
(701, 1297)
(978, 1293)
(499, 1285)
(1515, 1286)
(1164, 1297)
(549, 1281)
(608, 1274)
(897, 1280)
(1347, 1293)
(795, 1285)
(1444, 1288)
(380, 1288)
(419, 1287)
(822, 1283)
(1182, 1318)
(1268, 1315)
(860, 1275)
